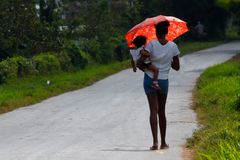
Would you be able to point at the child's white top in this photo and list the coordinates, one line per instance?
(136, 53)
(161, 56)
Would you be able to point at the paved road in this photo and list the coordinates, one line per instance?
(108, 120)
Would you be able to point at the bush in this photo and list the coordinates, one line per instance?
(92, 47)
(3, 71)
(76, 57)
(2, 77)
(9, 68)
(105, 56)
(121, 52)
(46, 63)
(16, 67)
(99, 52)
(87, 57)
(65, 61)
(12, 68)
(24, 66)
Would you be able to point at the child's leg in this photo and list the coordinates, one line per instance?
(133, 65)
(155, 71)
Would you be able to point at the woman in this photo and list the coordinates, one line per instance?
(164, 55)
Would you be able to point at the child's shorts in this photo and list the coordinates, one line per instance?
(147, 85)
(144, 66)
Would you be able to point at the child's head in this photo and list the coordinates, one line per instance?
(139, 41)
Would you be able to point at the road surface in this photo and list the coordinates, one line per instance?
(108, 120)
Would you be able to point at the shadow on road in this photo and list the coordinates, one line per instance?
(126, 150)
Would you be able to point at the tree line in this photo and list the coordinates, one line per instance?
(94, 30)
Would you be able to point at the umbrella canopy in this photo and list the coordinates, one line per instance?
(147, 28)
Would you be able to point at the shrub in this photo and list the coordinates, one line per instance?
(77, 59)
(121, 52)
(2, 77)
(46, 63)
(104, 56)
(15, 67)
(87, 57)
(92, 47)
(3, 71)
(24, 66)
(100, 52)
(9, 68)
(65, 61)
(118, 47)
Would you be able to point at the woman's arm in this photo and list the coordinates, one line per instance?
(175, 63)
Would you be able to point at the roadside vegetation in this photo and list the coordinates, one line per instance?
(192, 46)
(20, 90)
(217, 103)
(73, 43)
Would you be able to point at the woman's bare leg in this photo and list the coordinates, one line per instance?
(152, 100)
(162, 119)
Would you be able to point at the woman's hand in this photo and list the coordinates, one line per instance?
(175, 63)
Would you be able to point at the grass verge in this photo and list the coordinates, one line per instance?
(21, 92)
(217, 103)
(189, 47)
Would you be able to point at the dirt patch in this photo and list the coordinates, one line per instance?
(236, 57)
(188, 154)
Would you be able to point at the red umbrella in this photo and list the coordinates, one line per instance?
(147, 28)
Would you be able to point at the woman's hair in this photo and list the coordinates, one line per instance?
(162, 28)
(139, 41)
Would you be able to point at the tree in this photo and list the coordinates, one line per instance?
(18, 18)
(102, 23)
(22, 32)
(207, 11)
(47, 9)
(232, 6)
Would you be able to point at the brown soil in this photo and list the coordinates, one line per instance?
(188, 154)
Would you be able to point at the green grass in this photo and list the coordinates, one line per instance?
(217, 102)
(189, 47)
(21, 92)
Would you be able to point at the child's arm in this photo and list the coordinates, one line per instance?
(133, 65)
(144, 55)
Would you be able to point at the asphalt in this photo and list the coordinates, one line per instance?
(108, 120)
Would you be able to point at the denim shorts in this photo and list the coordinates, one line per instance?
(147, 85)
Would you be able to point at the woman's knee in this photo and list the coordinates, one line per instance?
(161, 100)
(153, 118)
(152, 101)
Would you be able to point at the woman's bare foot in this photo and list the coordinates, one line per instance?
(154, 147)
(164, 146)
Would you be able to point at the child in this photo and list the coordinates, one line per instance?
(136, 53)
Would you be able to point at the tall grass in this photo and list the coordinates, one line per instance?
(217, 102)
